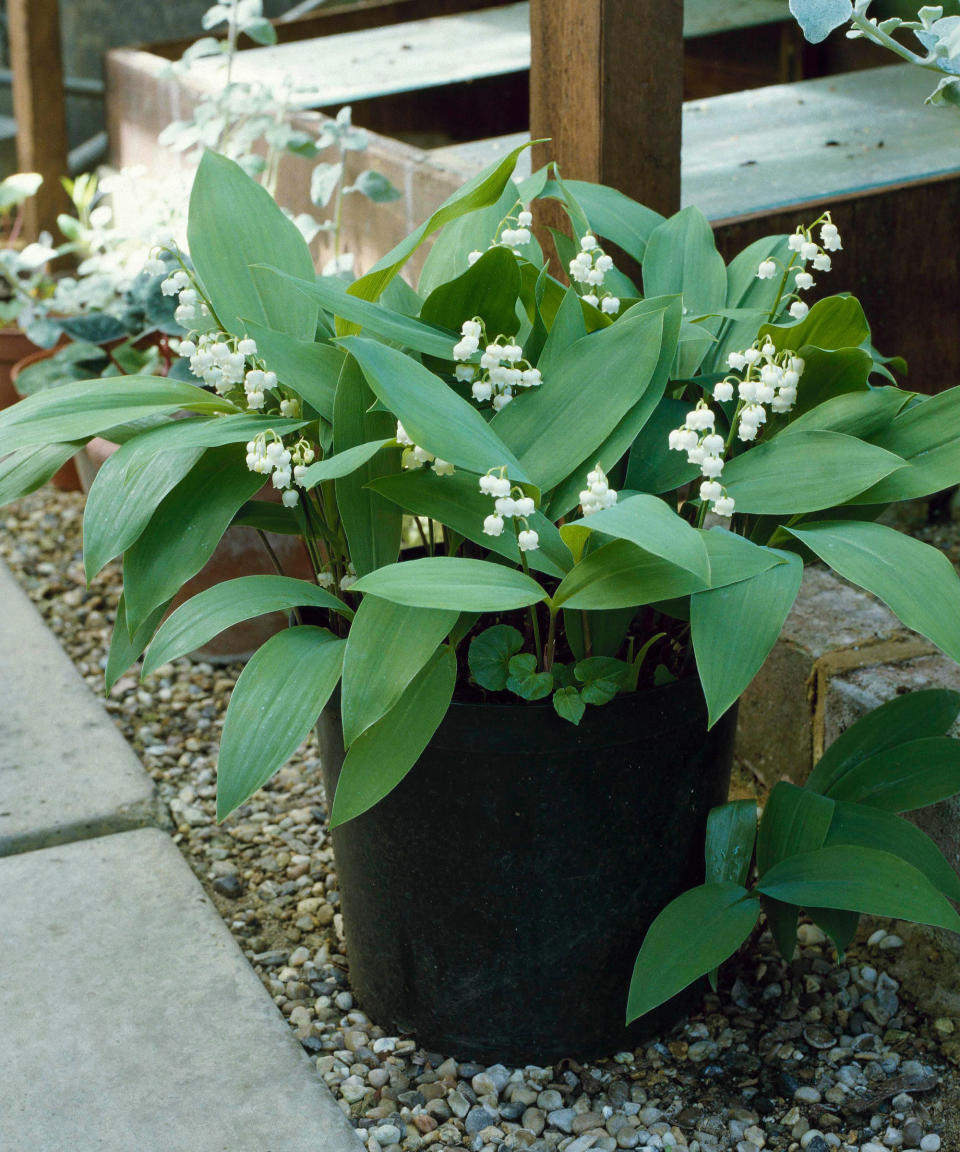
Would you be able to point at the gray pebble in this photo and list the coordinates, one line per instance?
(477, 1119)
(386, 1134)
(561, 1118)
(550, 1100)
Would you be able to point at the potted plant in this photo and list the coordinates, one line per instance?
(555, 531)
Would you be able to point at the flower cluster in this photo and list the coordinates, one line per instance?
(805, 249)
(502, 369)
(326, 578)
(415, 457)
(508, 236)
(598, 494)
(189, 306)
(705, 447)
(589, 268)
(284, 466)
(769, 378)
(507, 505)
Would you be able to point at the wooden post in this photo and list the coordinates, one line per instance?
(39, 107)
(606, 85)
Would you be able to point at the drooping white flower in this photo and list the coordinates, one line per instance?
(528, 540)
(724, 506)
(610, 305)
(799, 309)
(723, 391)
(442, 467)
(767, 270)
(493, 525)
(804, 281)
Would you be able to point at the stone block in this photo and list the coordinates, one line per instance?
(66, 772)
(131, 1019)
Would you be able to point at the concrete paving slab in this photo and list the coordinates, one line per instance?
(66, 772)
(130, 1019)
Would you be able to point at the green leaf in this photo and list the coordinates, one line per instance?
(836, 322)
(125, 650)
(483, 190)
(651, 524)
(457, 502)
(379, 759)
(235, 224)
(341, 464)
(830, 374)
(602, 678)
(852, 413)
(911, 775)
(567, 328)
(746, 291)
(25, 471)
(734, 558)
(323, 183)
(269, 517)
(488, 289)
(432, 414)
(375, 186)
(260, 32)
(731, 832)
(930, 712)
(331, 294)
(877, 558)
(859, 880)
(927, 436)
(524, 679)
(372, 524)
(214, 609)
(551, 429)
(610, 214)
(805, 472)
(276, 701)
(840, 926)
(569, 704)
(653, 466)
(734, 628)
(621, 575)
(489, 655)
(452, 582)
(673, 955)
(184, 530)
(310, 369)
(887, 832)
(85, 408)
(387, 646)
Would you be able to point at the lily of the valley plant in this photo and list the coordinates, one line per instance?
(510, 488)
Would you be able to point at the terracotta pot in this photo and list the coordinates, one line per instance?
(66, 478)
(14, 347)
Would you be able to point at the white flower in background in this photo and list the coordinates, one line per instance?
(767, 270)
(830, 237)
(589, 268)
(507, 506)
(349, 578)
(502, 370)
(598, 494)
(285, 466)
(414, 457)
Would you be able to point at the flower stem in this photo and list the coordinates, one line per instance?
(533, 615)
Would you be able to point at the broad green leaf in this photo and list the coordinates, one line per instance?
(805, 472)
(387, 646)
(840, 926)
(276, 701)
(567, 328)
(484, 189)
(831, 373)
(269, 517)
(375, 186)
(24, 471)
(379, 759)
(603, 677)
(488, 289)
(332, 295)
(452, 582)
(731, 833)
(341, 464)
(489, 656)
(607, 630)
(457, 502)
(746, 291)
(214, 609)
(859, 880)
(734, 558)
(235, 224)
(125, 650)
(653, 466)
(735, 626)
(432, 414)
(682, 258)
(525, 681)
(610, 214)
(673, 956)
(621, 575)
(372, 524)
(85, 408)
(836, 322)
(887, 832)
(927, 436)
(930, 712)
(309, 368)
(878, 559)
(184, 530)
(651, 524)
(551, 428)
(854, 413)
(568, 704)
(900, 779)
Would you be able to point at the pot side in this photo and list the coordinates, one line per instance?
(495, 901)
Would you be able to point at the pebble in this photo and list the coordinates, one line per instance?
(776, 1039)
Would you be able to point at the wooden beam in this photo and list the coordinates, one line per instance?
(38, 105)
(606, 85)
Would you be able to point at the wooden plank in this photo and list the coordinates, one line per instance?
(606, 86)
(38, 104)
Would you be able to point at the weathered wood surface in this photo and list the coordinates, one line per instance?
(38, 102)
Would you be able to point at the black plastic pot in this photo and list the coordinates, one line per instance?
(494, 903)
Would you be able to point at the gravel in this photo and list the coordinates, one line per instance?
(809, 1056)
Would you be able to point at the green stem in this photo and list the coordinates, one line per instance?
(338, 205)
(533, 615)
(551, 641)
